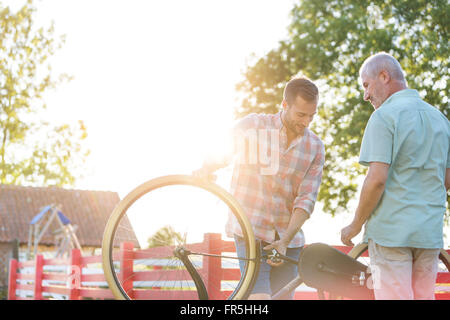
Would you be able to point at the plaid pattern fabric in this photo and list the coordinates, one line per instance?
(269, 191)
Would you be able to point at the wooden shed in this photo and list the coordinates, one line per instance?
(88, 210)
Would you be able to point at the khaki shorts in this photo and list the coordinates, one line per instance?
(402, 273)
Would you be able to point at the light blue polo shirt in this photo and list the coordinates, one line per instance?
(413, 137)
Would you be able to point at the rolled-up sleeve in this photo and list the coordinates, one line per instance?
(377, 142)
(309, 187)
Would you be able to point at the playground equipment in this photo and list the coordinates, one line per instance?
(51, 220)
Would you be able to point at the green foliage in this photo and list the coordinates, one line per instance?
(328, 41)
(165, 236)
(32, 152)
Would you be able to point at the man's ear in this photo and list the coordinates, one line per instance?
(384, 76)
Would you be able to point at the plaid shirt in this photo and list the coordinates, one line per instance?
(270, 190)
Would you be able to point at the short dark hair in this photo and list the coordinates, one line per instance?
(302, 87)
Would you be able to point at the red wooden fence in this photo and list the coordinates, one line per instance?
(76, 282)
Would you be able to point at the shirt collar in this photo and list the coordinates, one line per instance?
(278, 121)
(402, 93)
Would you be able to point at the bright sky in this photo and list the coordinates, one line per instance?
(154, 82)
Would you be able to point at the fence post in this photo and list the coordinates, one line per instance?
(12, 279)
(213, 266)
(126, 257)
(156, 268)
(38, 275)
(74, 278)
(15, 249)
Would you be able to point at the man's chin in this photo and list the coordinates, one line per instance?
(300, 130)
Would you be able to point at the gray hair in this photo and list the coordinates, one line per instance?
(376, 63)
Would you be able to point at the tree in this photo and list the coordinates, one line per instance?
(166, 236)
(328, 41)
(33, 151)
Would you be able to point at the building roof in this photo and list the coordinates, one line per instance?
(89, 210)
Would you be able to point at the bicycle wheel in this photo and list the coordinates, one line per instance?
(165, 240)
(360, 252)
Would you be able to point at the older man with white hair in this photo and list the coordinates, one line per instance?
(403, 199)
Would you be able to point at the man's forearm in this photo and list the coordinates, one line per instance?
(213, 166)
(298, 218)
(371, 193)
(217, 162)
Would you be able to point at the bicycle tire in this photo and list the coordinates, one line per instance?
(358, 250)
(245, 284)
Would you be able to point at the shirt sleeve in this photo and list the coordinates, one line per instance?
(309, 187)
(377, 141)
(448, 155)
(245, 138)
(448, 159)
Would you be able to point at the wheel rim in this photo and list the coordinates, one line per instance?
(158, 183)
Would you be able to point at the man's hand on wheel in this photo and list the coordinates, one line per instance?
(204, 174)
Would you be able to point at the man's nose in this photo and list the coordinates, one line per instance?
(366, 95)
(306, 121)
